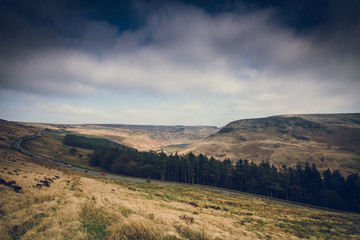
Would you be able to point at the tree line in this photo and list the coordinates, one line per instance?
(304, 184)
(92, 143)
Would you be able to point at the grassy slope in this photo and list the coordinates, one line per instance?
(330, 141)
(80, 206)
(77, 206)
(10, 132)
(50, 145)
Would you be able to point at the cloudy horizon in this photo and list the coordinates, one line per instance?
(177, 63)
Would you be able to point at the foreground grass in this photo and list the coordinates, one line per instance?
(80, 206)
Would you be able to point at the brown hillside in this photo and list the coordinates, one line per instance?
(328, 140)
(141, 137)
(39, 200)
(10, 132)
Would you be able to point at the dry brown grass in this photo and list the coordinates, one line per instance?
(10, 132)
(35, 210)
(75, 206)
(135, 228)
(80, 206)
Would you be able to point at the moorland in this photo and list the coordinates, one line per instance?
(40, 200)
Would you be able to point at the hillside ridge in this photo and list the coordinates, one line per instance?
(329, 140)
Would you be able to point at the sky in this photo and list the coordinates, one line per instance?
(177, 62)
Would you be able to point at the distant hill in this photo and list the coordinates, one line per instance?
(141, 137)
(328, 140)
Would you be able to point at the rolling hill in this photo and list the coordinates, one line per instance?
(328, 140)
(141, 137)
(39, 200)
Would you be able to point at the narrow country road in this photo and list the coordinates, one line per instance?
(18, 146)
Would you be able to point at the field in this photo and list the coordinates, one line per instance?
(58, 203)
(42, 201)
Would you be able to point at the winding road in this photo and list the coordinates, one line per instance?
(18, 146)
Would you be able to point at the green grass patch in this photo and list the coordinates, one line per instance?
(319, 229)
(174, 148)
(93, 220)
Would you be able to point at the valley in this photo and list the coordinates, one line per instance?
(141, 137)
(40, 200)
(328, 140)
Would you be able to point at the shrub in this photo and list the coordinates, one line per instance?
(125, 211)
(187, 219)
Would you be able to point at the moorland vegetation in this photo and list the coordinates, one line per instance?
(39, 200)
(304, 184)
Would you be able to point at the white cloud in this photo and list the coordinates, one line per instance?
(191, 107)
(64, 108)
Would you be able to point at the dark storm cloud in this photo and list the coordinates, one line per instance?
(266, 52)
(340, 30)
